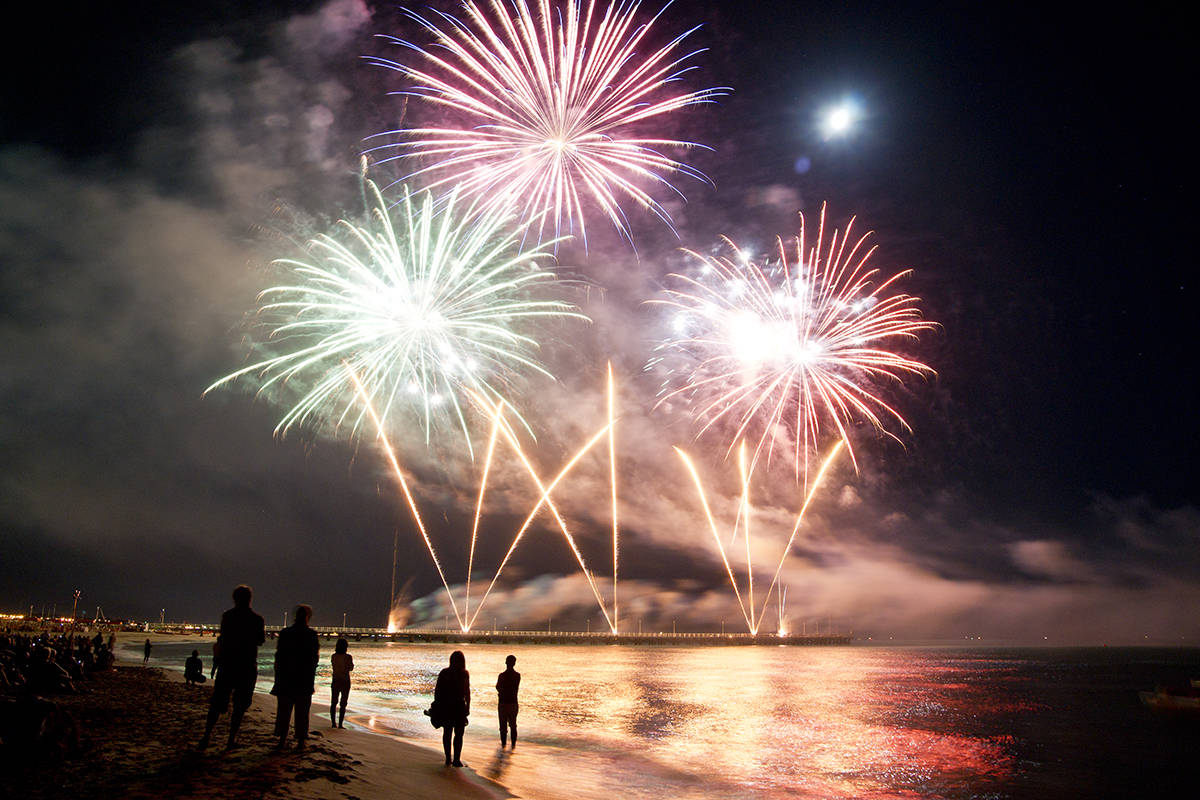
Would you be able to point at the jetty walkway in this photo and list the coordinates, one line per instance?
(440, 636)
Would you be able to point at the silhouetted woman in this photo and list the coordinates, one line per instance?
(343, 665)
(453, 697)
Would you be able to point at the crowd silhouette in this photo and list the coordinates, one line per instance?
(35, 667)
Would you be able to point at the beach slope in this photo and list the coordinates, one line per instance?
(139, 726)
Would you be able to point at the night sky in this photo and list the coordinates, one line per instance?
(1033, 167)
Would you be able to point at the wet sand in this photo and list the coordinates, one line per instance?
(139, 726)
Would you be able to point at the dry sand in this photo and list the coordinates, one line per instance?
(140, 726)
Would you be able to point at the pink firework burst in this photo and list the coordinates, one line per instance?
(799, 344)
(547, 104)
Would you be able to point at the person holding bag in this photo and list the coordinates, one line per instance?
(452, 706)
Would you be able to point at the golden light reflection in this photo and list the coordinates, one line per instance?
(754, 721)
(693, 723)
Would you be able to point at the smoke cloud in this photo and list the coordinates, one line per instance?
(126, 291)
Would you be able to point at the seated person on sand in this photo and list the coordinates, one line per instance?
(32, 727)
(10, 675)
(45, 676)
(193, 669)
(66, 661)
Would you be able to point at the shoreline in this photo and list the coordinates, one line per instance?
(139, 725)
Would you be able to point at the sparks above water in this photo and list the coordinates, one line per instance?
(545, 491)
(783, 350)
(750, 612)
(792, 346)
(427, 310)
(502, 430)
(546, 108)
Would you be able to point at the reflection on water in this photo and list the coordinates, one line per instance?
(780, 721)
(775, 722)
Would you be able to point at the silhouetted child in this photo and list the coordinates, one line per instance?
(343, 665)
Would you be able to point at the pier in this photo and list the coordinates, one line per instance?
(442, 636)
(581, 638)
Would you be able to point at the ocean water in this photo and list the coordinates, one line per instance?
(798, 722)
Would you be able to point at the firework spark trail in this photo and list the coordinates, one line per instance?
(753, 623)
(744, 517)
(423, 310)
(483, 482)
(612, 462)
(712, 524)
(793, 345)
(501, 425)
(412, 504)
(546, 501)
(547, 114)
(800, 518)
(465, 619)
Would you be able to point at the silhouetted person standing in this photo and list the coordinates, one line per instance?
(242, 631)
(453, 697)
(296, 657)
(343, 665)
(507, 685)
(146, 652)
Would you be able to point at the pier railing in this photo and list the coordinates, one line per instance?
(444, 636)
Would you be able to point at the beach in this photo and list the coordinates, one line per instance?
(139, 727)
